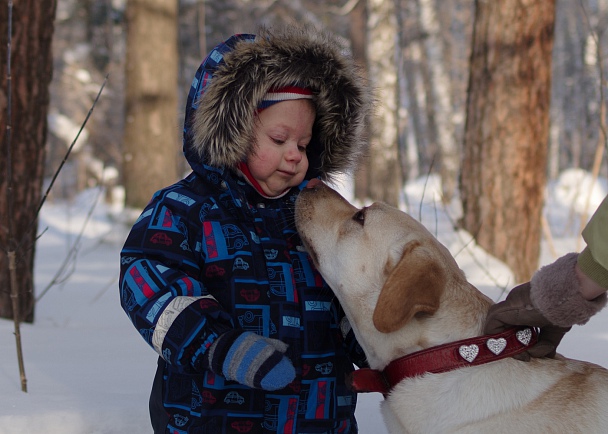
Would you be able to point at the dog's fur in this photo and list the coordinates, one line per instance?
(402, 292)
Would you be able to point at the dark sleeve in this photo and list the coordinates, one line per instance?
(160, 286)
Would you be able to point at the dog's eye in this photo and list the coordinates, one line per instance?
(359, 216)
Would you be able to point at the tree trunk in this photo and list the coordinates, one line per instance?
(31, 73)
(151, 133)
(507, 128)
(441, 99)
(385, 175)
(358, 38)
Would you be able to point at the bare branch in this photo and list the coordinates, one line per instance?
(69, 263)
(12, 268)
(344, 9)
(67, 154)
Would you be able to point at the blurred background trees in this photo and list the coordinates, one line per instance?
(430, 117)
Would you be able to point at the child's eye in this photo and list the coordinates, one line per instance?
(278, 141)
(302, 148)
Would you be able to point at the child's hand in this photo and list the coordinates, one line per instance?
(252, 360)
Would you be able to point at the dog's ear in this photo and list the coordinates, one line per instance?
(414, 285)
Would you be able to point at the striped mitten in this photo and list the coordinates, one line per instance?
(251, 359)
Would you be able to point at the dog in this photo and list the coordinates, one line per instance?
(406, 298)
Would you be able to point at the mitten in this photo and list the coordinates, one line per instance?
(251, 359)
(517, 310)
(552, 301)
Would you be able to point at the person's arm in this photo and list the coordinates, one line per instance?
(170, 307)
(592, 266)
(566, 292)
(589, 289)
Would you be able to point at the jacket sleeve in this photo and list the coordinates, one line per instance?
(160, 287)
(593, 260)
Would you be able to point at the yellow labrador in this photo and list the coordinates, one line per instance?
(405, 295)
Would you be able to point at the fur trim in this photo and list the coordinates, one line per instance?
(555, 292)
(223, 127)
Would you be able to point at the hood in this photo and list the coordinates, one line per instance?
(231, 82)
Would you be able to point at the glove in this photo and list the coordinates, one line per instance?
(251, 359)
(552, 301)
(518, 310)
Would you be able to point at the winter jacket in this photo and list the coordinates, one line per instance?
(209, 254)
(593, 260)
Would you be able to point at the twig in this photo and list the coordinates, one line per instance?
(12, 267)
(70, 258)
(344, 9)
(67, 154)
(548, 236)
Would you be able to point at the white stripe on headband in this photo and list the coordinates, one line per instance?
(274, 96)
(290, 94)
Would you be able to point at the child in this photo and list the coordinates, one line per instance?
(213, 275)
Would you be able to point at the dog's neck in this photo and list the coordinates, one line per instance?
(444, 358)
(424, 331)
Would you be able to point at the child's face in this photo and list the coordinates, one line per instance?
(282, 133)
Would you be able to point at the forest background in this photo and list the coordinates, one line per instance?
(495, 97)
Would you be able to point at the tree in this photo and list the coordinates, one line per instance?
(507, 128)
(31, 71)
(151, 133)
(384, 173)
(440, 96)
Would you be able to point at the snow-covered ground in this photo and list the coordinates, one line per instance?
(88, 370)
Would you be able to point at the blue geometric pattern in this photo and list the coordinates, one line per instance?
(209, 255)
(243, 252)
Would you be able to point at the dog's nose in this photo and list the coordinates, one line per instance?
(313, 183)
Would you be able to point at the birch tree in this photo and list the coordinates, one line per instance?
(384, 171)
(439, 81)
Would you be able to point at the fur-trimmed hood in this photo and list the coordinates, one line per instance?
(235, 76)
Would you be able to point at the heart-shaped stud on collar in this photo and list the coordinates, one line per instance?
(469, 352)
(497, 346)
(524, 336)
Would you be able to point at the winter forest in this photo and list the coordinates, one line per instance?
(496, 99)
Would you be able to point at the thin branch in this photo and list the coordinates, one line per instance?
(345, 9)
(12, 267)
(48, 190)
(9, 121)
(70, 260)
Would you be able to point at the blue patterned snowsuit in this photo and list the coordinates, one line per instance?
(207, 255)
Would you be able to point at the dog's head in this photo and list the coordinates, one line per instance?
(382, 264)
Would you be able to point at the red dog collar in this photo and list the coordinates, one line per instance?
(443, 358)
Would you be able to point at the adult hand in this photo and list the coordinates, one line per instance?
(518, 310)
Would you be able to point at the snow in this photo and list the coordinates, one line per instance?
(89, 372)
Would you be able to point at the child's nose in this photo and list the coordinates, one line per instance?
(294, 154)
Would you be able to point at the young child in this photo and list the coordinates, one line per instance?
(213, 275)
